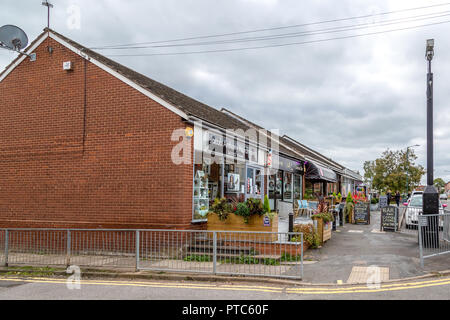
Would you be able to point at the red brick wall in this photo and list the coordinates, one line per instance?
(122, 175)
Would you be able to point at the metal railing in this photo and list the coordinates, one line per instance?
(267, 254)
(434, 235)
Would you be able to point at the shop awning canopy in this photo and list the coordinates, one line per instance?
(318, 172)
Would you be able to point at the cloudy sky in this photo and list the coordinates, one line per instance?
(349, 98)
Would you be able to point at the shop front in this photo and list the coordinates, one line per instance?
(320, 181)
(226, 167)
(285, 185)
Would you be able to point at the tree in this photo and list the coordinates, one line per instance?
(439, 184)
(369, 172)
(394, 170)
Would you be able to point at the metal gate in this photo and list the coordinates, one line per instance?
(269, 254)
(434, 235)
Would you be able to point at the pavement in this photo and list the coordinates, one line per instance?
(354, 254)
(46, 288)
(353, 246)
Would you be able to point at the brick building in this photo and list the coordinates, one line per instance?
(91, 146)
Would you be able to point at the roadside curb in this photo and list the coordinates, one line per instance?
(147, 275)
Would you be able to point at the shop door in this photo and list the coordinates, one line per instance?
(254, 183)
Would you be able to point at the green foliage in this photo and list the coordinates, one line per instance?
(394, 170)
(266, 204)
(198, 258)
(222, 208)
(326, 216)
(348, 209)
(349, 198)
(243, 210)
(439, 184)
(247, 259)
(255, 206)
(309, 235)
(374, 201)
(286, 256)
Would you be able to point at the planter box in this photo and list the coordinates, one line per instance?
(236, 223)
(323, 229)
(374, 207)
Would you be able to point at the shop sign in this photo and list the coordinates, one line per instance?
(383, 201)
(389, 218)
(289, 165)
(269, 159)
(362, 213)
(266, 222)
(423, 221)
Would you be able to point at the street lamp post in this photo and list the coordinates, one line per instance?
(430, 231)
(407, 166)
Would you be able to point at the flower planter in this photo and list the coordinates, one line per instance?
(374, 207)
(323, 229)
(255, 223)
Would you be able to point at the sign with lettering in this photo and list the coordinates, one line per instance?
(423, 221)
(266, 222)
(389, 218)
(383, 201)
(362, 213)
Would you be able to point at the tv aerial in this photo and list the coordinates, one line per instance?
(14, 39)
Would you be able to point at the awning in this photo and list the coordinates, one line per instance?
(317, 172)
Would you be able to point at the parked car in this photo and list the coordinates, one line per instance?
(443, 196)
(414, 208)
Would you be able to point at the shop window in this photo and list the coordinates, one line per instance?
(287, 187)
(297, 187)
(234, 179)
(255, 183)
(201, 192)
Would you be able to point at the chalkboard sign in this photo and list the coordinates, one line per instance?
(362, 213)
(383, 201)
(389, 218)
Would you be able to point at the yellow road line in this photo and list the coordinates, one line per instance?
(144, 283)
(306, 290)
(147, 285)
(367, 290)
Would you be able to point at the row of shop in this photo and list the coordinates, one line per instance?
(109, 162)
(234, 168)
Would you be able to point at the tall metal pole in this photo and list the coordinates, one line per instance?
(407, 169)
(430, 234)
(430, 125)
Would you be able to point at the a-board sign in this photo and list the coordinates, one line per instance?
(383, 201)
(362, 213)
(389, 218)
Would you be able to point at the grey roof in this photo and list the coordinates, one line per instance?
(179, 100)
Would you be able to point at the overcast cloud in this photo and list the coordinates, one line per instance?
(349, 99)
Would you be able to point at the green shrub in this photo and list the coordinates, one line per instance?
(349, 197)
(374, 201)
(309, 235)
(326, 216)
(266, 204)
(255, 206)
(198, 258)
(243, 211)
(222, 208)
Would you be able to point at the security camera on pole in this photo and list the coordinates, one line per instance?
(430, 229)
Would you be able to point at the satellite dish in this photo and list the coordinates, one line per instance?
(13, 37)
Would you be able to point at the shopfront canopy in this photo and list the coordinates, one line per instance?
(318, 172)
